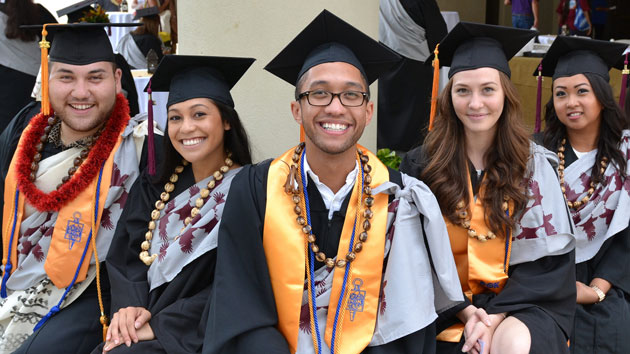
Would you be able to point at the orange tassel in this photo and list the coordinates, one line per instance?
(301, 134)
(44, 45)
(435, 87)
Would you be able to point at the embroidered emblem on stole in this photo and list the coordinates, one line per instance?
(74, 230)
(356, 298)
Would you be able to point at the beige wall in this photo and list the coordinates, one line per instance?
(469, 10)
(260, 29)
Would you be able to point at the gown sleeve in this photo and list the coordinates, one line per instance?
(615, 262)
(127, 274)
(242, 315)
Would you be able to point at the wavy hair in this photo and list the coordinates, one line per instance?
(506, 161)
(21, 12)
(235, 140)
(613, 122)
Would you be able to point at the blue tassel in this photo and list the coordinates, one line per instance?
(50, 314)
(5, 277)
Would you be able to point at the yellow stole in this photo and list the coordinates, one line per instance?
(286, 252)
(481, 266)
(72, 227)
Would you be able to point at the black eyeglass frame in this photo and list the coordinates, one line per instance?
(306, 94)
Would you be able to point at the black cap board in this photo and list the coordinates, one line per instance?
(470, 46)
(191, 76)
(146, 12)
(77, 10)
(330, 39)
(570, 56)
(81, 43)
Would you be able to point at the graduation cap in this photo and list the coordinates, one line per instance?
(330, 39)
(146, 12)
(190, 76)
(77, 10)
(570, 56)
(193, 76)
(470, 46)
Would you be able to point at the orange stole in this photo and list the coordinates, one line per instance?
(73, 224)
(480, 265)
(286, 249)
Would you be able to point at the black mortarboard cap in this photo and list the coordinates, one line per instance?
(191, 76)
(470, 46)
(146, 12)
(330, 39)
(81, 43)
(77, 10)
(570, 56)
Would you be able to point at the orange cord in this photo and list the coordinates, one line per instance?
(104, 320)
(435, 87)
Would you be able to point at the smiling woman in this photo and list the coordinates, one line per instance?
(502, 203)
(164, 250)
(591, 136)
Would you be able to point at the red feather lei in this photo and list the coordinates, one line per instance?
(88, 170)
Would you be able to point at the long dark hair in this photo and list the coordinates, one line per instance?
(21, 12)
(151, 26)
(506, 162)
(235, 140)
(613, 122)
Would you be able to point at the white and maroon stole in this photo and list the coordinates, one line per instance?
(31, 293)
(608, 210)
(177, 246)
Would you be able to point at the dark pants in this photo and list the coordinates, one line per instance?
(74, 329)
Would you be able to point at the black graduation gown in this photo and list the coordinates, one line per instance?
(243, 315)
(541, 294)
(146, 42)
(404, 93)
(16, 86)
(178, 308)
(602, 328)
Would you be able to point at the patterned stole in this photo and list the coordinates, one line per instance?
(481, 266)
(68, 246)
(286, 252)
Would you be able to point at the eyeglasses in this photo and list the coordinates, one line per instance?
(321, 98)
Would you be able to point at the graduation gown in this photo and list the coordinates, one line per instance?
(243, 315)
(602, 327)
(540, 293)
(178, 308)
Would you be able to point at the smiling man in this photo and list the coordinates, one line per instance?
(65, 177)
(324, 249)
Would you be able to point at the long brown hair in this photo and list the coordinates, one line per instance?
(21, 12)
(151, 26)
(506, 161)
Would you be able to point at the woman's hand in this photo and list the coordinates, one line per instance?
(479, 329)
(585, 294)
(127, 325)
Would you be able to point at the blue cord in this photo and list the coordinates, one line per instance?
(311, 267)
(9, 266)
(345, 276)
(508, 236)
(57, 307)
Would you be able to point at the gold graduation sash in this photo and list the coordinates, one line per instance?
(72, 226)
(481, 266)
(286, 250)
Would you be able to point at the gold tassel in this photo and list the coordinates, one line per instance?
(436, 86)
(44, 45)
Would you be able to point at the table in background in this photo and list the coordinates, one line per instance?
(116, 33)
(141, 79)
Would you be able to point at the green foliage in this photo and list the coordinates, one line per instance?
(389, 158)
